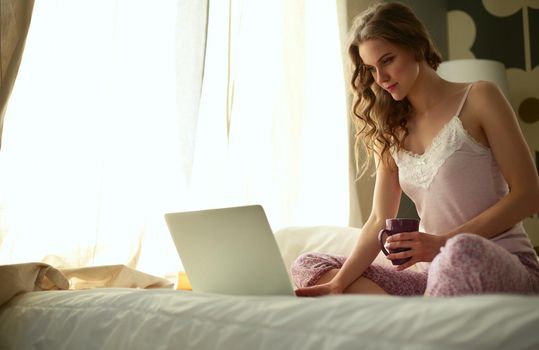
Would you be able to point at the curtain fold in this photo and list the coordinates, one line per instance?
(191, 31)
(15, 16)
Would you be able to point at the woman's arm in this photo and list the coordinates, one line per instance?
(386, 199)
(498, 121)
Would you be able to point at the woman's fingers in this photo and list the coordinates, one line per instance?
(410, 254)
(403, 236)
(313, 291)
(401, 255)
(418, 247)
(406, 265)
(401, 244)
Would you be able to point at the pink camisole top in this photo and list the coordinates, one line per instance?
(454, 180)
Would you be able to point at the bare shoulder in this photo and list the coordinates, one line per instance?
(487, 100)
(486, 112)
(485, 85)
(485, 92)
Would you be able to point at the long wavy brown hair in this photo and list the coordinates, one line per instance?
(380, 122)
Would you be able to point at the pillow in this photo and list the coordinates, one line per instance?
(336, 240)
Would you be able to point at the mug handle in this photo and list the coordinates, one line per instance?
(382, 240)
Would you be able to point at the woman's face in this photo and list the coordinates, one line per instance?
(393, 68)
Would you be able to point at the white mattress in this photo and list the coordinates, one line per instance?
(167, 319)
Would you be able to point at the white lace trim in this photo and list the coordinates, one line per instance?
(420, 169)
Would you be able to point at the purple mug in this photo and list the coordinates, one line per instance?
(394, 226)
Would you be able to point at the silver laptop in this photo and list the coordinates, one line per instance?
(230, 251)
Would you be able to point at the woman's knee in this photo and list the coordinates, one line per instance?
(465, 242)
(303, 260)
(309, 267)
(315, 260)
(462, 249)
(451, 272)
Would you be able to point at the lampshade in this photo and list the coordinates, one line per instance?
(470, 70)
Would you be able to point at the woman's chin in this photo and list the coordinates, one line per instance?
(397, 97)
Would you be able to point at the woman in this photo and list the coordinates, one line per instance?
(456, 150)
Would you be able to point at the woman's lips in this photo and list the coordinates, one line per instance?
(390, 88)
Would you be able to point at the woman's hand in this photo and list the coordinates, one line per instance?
(318, 290)
(423, 247)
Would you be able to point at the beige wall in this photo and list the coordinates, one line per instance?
(361, 190)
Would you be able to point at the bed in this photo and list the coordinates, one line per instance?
(165, 318)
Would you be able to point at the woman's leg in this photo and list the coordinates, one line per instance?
(471, 264)
(315, 268)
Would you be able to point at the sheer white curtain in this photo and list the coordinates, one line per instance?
(92, 139)
(97, 144)
(272, 125)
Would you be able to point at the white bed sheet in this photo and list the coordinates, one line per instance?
(168, 319)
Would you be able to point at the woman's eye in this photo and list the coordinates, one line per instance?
(371, 69)
(387, 60)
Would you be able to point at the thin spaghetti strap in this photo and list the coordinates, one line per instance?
(464, 99)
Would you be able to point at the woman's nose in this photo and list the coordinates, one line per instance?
(381, 76)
